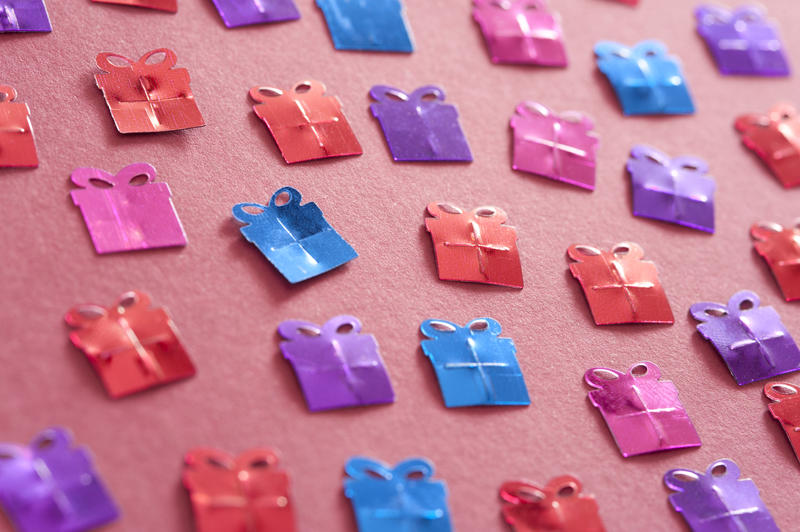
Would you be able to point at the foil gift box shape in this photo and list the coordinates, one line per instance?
(245, 493)
(473, 364)
(237, 13)
(131, 346)
(403, 498)
(672, 190)
(305, 123)
(474, 246)
(24, 16)
(785, 408)
(296, 239)
(146, 97)
(718, 500)
(521, 31)
(775, 138)
(619, 285)
(560, 506)
(124, 212)
(646, 80)
(17, 145)
(162, 5)
(52, 486)
(337, 367)
(369, 25)
(642, 412)
(780, 248)
(419, 126)
(751, 339)
(562, 147)
(742, 41)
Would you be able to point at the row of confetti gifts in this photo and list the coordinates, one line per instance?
(52, 485)
(742, 41)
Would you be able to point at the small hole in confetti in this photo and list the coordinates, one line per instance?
(442, 326)
(374, 474)
(91, 311)
(685, 476)
(746, 305)
(638, 370)
(429, 97)
(530, 495)
(127, 300)
(7, 456)
(622, 250)
(605, 374)
(45, 443)
(139, 180)
(416, 475)
(772, 226)
(531, 6)
(397, 96)
(252, 209)
(156, 58)
(588, 251)
(567, 491)
(480, 325)
(270, 92)
(259, 464)
(302, 88)
(690, 166)
(216, 463)
(716, 312)
(100, 183)
(655, 159)
(486, 212)
(282, 199)
(452, 209)
(784, 389)
(308, 331)
(719, 470)
(345, 328)
(118, 61)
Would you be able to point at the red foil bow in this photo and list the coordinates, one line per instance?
(17, 147)
(243, 494)
(131, 346)
(785, 408)
(781, 249)
(148, 97)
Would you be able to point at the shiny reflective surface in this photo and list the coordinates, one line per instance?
(237, 13)
(17, 145)
(369, 25)
(780, 247)
(775, 138)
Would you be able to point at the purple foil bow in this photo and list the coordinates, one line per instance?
(23, 16)
(751, 340)
(337, 367)
(718, 501)
(51, 486)
(673, 190)
(419, 126)
(237, 13)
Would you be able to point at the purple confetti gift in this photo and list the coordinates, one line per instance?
(237, 13)
(23, 15)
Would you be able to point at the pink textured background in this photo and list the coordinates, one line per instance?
(227, 300)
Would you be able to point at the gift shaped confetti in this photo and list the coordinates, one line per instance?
(305, 123)
(131, 346)
(124, 212)
(473, 364)
(52, 486)
(23, 16)
(718, 500)
(647, 80)
(419, 126)
(162, 5)
(244, 493)
(295, 238)
(474, 246)
(785, 408)
(147, 97)
(619, 285)
(400, 499)
(775, 138)
(237, 13)
(370, 25)
(750, 339)
(17, 146)
(558, 507)
(337, 367)
(780, 247)
(742, 41)
(673, 190)
(642, 412)
(521, 31)
(561, 147)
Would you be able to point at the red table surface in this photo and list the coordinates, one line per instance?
(227, 300)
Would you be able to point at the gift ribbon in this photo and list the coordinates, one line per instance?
(478, 365)
(618, 272)
(421, 106)
(481, 248)
(555, 144)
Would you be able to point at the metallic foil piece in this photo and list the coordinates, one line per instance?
(17, 145)
(562, 147)
(775, 138)
(124, 213)
(560, 506)
(521, 31)
(18, 16)
(147, 97)
(419, 126)
(247, 493)
(646, 80)
(619, 285)
(131, 346)
(718, 500)
(642, 412)
(751, 339)
(474, 246)
(236, 13)
(473, 364)
(52, 486)
(295, 238)
(780, 247)
(403, 498)
(305, 123)
(785, 408)
(743, 41)
(369, 25)
(675, 190)
(162, 5)
(337, 367)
